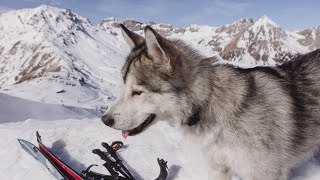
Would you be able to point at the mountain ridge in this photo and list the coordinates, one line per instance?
(257, 42)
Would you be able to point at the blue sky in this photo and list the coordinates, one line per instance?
(291, 15)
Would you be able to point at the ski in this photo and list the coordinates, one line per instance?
(65, 169)
(58, 168)
(42, 158)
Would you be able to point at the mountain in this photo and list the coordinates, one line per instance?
(53, 55)
(311, 38)
(260, 42)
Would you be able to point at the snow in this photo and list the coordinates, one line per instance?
(69, 122)
(265, 20)
(73, 140)
(15, 109)
(202, 36)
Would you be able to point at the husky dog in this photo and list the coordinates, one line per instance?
(256, 123)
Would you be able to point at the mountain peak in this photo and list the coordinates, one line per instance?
(43, 6)
(265, 20)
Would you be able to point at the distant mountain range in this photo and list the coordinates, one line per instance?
(260, 42)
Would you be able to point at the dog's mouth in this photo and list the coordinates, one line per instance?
(140, 128)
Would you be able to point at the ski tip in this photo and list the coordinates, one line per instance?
(20, 140)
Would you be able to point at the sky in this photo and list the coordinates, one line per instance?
(290, 14)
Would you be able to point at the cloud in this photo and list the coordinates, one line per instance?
(51, 2)
(226, 7)
(4, 9)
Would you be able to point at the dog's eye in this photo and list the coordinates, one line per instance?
(136, 93)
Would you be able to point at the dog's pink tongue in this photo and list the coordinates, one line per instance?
(125, 134)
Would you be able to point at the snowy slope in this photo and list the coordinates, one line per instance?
(47, 49)
(15, 109)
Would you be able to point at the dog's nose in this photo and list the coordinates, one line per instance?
(107, 120)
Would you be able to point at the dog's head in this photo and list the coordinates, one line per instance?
(156, 77)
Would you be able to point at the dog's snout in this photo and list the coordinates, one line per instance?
(108, 120)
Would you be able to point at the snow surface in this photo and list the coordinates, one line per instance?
(73, 140)
(15, 109)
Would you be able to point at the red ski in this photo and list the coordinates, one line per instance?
(67, 171)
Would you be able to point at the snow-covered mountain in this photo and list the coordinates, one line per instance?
(311, 37)
(54, 55)
(257, 42)
(260, 42)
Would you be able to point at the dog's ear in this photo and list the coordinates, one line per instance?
(155, 49)
(131, 38)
